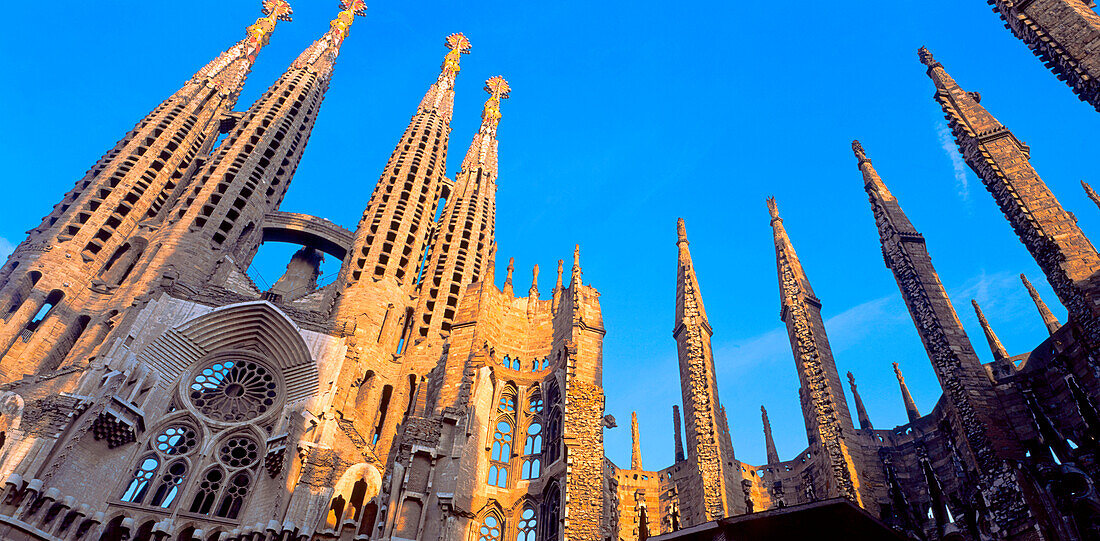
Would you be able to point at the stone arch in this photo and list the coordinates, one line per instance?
(484, 528)
(358, 485)
(255, 325)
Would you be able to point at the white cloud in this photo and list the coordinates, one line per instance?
(6, 248)
(957, 163)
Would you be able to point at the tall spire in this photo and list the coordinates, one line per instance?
(711, 474)
(533, 292)
(93, 239)
(1051, 234)
(636, 450)
(220, 216)
(393, 234)
(508, 276)
(678, 446)
(968, 392)
(466, 226)
(910, 406)
(999, 351)
(1091, 193)
(769, 443)
(861, 412)
(824, 408)
(1049, 320)
(1063, 34)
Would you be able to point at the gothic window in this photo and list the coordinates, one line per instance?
(534, 404)
(551, 512)
(235, 493)
(531, 468)
(507, 402)
(139, 483)
(209, 488)
(169, 487)
(516, 365)
(545, 363)
(501, 454)
(233, 390)
(553, 435)
(490, 529)
(525, 529)
(533, 446)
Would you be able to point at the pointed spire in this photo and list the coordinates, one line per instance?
(229, 70)
(533, 293)
(491, 266)
(861, 412)
(438, 94)
(1091, 193)
(1048, 318)
(636, 450)
(677, 436)
(769, 443)
(508, 277)
(999, 352)
(910, 405)
(575, 280)
(785, 250)
(321, 55)
(871, 180)
(687, 284)
(556, 295)
(483, 150)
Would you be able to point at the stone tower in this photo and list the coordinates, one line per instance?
(75, 261)
(464, 234)
(1063, 34)
(709, 452)
(828, 423)
(975, 420)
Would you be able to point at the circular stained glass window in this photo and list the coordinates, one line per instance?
(239, 452)
(232, 390)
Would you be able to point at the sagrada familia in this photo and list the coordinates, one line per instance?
(149, 390)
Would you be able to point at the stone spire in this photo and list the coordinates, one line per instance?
(533, 292)
(467, 225)
(824, 407)
(968, 391)
(94, 237)
(392, 236)
(1048, 318)
(1050, 234)
(999, 352)
(636, 450)
(1063, 34)
(508, 276)
(676, 434)
(769, 443)
(1091, 193)
(558, 288)
(711, 475)
(910, 406)
(861, 412)
(575, 277)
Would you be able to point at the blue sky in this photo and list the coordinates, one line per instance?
(624, 116)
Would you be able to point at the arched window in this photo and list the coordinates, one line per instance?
(491, 528)
(553, 435)
(545, 363)
(138, 486)
(170, 446)
(165, 494)
(526, 527)
(532, 468)
(550, 514)
(501, 454)
(534, 403)
(506, 361)
(507, 402)
(516, 364)
(235, 493)
(209, 488)
(533, 446)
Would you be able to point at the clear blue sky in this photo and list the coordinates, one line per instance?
(623, 117)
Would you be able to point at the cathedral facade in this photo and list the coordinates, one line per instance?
(150, 390)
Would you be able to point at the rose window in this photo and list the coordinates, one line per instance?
(233, 390)
(239, 452)
(176, 440)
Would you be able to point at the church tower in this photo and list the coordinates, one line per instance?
(709, 494)
(1063, 34)
(464, 233)
(968, 392)
(75, 260)
(828, 422)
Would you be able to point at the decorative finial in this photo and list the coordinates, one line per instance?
(561, 264)
(511, 267)
(498, 89)
(534, 291)
(342, 23)
(861, 156)
(773, 209)
(278, 9)
(926, 57)
(260, 32)
(575, 280)
(851, 379)
(681, 232)
(897, 372)
(763, 411)
(458, 45)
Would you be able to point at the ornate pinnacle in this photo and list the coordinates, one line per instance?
(342, 23)
(534, 291)
(1090, 192)
(926, 57)
(773, 210)
(458, 45)
(861, 156)
(575, 280)
(498, 89)
(681, 232)
(260, 31)
(910, 406)
(1049, 320)
(511, 267)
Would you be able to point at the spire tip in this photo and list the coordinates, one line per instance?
(773, 209)
(926, 57)
(681, 232)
